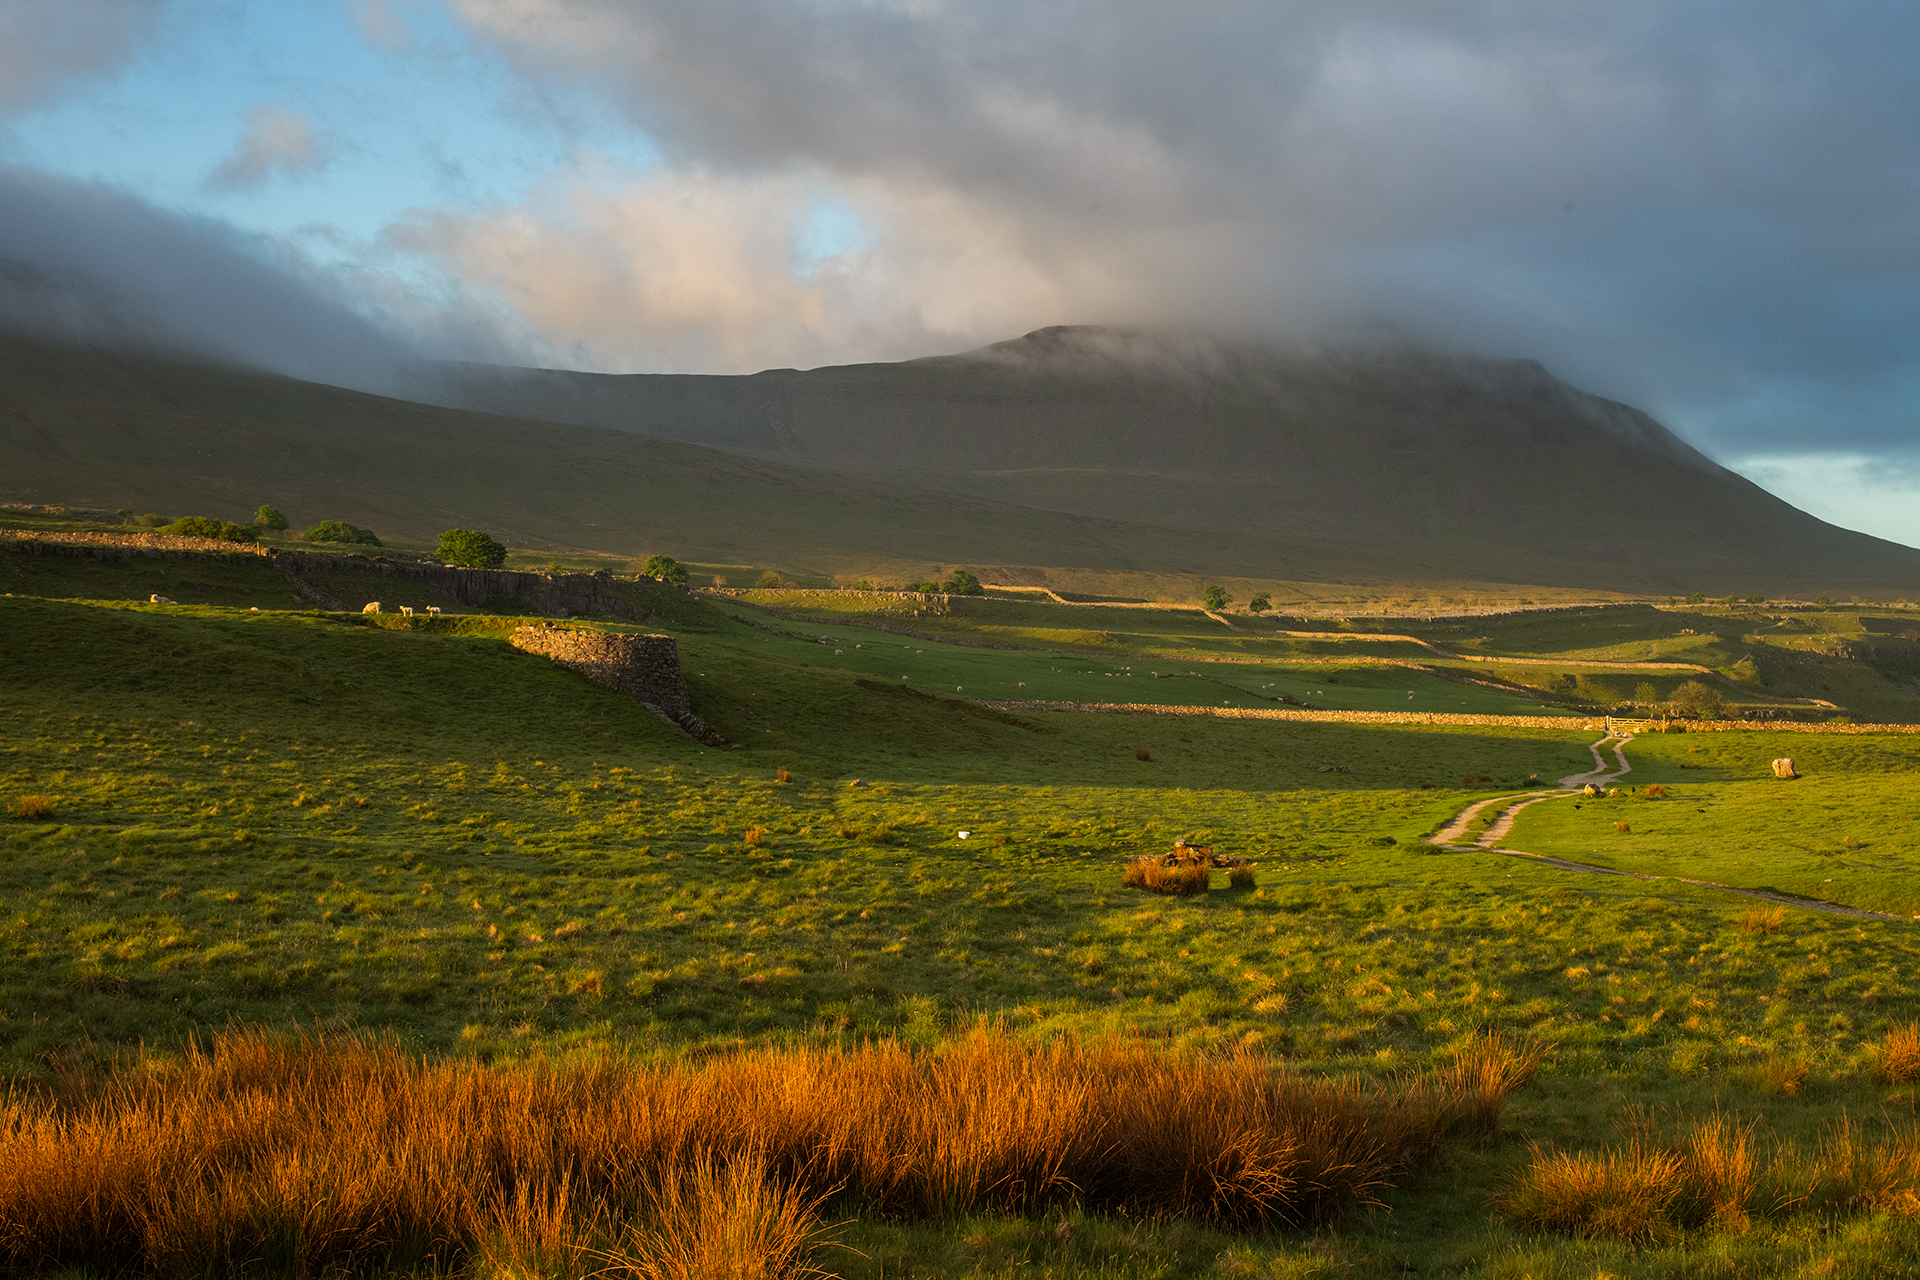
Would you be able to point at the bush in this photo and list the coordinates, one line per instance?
(771, 580)
(269, 517)
(341, 531)
(1260, 603)
(1697, 701)
(666, 569)
(204, 527)
(471, 549)
(1216, 597)
(962, 583)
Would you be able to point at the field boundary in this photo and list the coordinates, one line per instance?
(1430, 717)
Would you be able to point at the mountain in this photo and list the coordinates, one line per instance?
(1372, 461)
(1088, 449)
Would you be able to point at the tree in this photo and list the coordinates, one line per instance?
(341, 531)
(962, 583)
(1697, 597)
(1260, 603)
(471, 549)
(1823, 599)
(1216, 597)
(772, 580)
(206, 527)
(666, 569)
(1697, 701)
(1645, 695)
(269, 517)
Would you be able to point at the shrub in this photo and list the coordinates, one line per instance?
(1216, 597)
(35, 808)
(665, 569)
(1763, 920)
(204, 527)
(341, 531)
(471, 549)
(269, 517)
(773, 581)
(1260, 603)
(962, 583)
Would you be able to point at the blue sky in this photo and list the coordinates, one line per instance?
(1710, 210)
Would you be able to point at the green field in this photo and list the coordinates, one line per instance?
(291, 818)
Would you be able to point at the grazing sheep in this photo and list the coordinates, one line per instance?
(373, 607)
(406, 611)
(158, 600)
(433, 611)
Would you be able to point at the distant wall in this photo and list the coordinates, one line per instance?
(557, 595)
(647, 667)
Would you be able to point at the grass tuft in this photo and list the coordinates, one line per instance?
(1155, 876)
(1240, 877)
(1762, 921)
(1624, 1193)
(34, 808)
(1899, 1054)
(1655, 790)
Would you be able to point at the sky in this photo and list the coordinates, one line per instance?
(1707, 210)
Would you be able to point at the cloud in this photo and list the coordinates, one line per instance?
(89, 262)
(382, 27)
(1706, 209)
(276, 140)
(46, 45)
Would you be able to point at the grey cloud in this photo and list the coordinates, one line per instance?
(45, 45)
(1707, 208)
(276, 140)
(87, 262)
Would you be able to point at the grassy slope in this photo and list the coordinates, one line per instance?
(280, 818)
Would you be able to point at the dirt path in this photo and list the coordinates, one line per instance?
(1456, 830)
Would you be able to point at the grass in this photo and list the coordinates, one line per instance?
(341, 1153)
(287, 820)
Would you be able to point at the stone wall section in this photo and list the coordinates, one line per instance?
(645, 667)
(556, 595)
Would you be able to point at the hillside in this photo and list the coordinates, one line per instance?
(1439, 467)
(1152, 464)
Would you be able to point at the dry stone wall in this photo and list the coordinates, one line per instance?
(646, 667)
(557, 595)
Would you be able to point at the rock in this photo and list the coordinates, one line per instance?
(1783, 768)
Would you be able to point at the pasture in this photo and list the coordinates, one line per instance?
(295, 821)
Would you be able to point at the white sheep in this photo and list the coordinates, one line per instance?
(371, 607)
(406, 611)
(158, 600)
(433, 611)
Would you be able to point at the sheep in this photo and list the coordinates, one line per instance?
(406, 611)
(158, 600)
(371, 607)
(433, 611)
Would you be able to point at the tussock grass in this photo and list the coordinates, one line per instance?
(34, 808)
(335, 1152)
(1182, 879)
(1762, 920)
(1655, 790)
(1240, 877)
(1899, 1054)
(1625, 1192)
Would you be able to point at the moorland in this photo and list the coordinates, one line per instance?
(866, 991)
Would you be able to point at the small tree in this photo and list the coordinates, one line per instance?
(1697, 701)
(1216, 597)
(1823, 599)
(666, 569)
(206, 527)
(1645, 695)
(1260, 603)
(472, 549)
(962, 583)
(772, 580)
(1698, 597)
(269, 517)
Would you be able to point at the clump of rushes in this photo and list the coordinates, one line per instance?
(1899, 1054)
(1655, 790)
(1623, 826)
(1240, 877)
(35, 808)
(1155, 876)
(759, 835)
(783, 774)
(163, 1165)
(1625, 1193)
(1142, 754)
(1763, 920)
